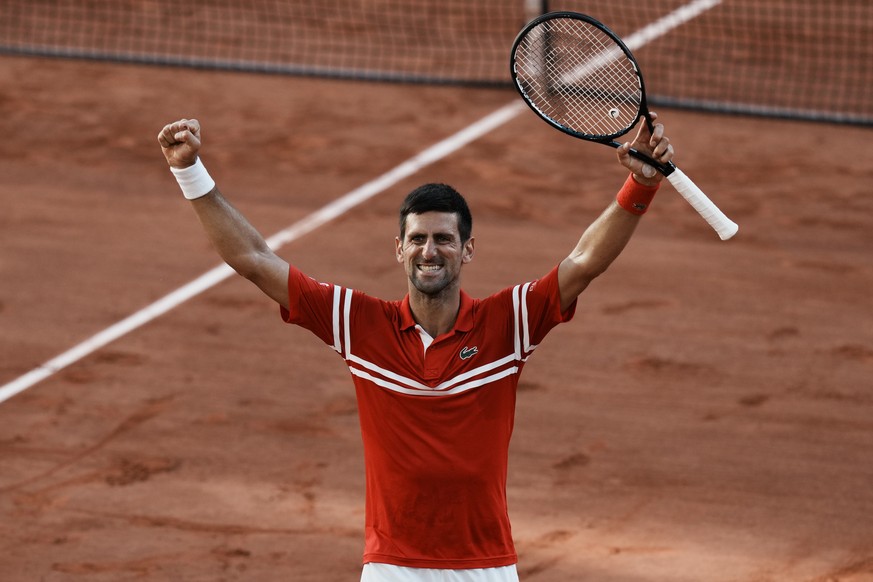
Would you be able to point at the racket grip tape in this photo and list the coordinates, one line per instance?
(724, 226)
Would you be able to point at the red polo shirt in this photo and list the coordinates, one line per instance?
(436, 421)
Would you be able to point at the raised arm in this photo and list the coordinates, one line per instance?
(236, 240)
(607, 236)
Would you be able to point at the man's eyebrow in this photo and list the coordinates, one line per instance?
(437, 234)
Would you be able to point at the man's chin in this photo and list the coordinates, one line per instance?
(432, 288)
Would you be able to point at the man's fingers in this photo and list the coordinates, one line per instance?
(664, 152)
(172, 134)
(180, 142)
(191, 125)
(179, 132)
(166, 137)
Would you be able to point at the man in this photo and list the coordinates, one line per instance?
(436, 373)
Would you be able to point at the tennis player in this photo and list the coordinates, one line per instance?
(436, 373)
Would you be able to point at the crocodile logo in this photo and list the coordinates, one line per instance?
(467, 353)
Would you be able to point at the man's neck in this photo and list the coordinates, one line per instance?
(436, 314)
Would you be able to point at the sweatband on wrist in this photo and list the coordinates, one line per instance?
(194, 180)
(635, 197)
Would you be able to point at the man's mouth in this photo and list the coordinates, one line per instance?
(429, 268)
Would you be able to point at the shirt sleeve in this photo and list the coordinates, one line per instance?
(543, 302)
(311, 305)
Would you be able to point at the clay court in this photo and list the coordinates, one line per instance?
(705, 418)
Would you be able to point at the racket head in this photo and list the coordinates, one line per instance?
(578, 76)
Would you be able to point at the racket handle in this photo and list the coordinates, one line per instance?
(724, 226)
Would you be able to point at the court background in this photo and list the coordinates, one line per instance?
(705, 417)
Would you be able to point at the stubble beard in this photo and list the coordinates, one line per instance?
(432, 289)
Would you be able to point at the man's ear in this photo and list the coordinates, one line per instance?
(468, 250)
(398, 249)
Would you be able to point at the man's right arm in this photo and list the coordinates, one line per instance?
(236, 240)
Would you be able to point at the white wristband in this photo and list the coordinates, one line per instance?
(194, 180)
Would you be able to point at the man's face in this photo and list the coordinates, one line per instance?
(431, 251)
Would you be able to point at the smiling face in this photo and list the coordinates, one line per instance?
(432, 253)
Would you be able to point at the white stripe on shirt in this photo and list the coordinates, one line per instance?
(374, 572)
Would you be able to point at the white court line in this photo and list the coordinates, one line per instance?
(673, 20)
(304, 226)
(333, 210)
(644, 36)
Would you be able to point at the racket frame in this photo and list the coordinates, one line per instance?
(723, 225)
(609, 139)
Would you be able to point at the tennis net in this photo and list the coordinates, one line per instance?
(787, 58)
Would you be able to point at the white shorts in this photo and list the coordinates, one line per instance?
(374, 572)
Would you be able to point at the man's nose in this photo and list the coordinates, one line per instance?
(429, 250)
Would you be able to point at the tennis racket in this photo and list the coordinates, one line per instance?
(581, 78)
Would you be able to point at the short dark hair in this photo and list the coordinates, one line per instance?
(437, 198)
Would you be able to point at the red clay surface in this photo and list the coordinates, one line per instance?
(706, 417)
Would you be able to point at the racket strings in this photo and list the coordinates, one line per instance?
(594, 84)
(579, 77)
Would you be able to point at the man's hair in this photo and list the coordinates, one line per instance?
(437, 198)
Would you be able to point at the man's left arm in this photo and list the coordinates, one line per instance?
(606, 237)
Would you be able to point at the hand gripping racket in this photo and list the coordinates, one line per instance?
(580, 77)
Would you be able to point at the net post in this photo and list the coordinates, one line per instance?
(534, 8)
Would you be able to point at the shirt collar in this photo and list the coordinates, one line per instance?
(464, 323)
